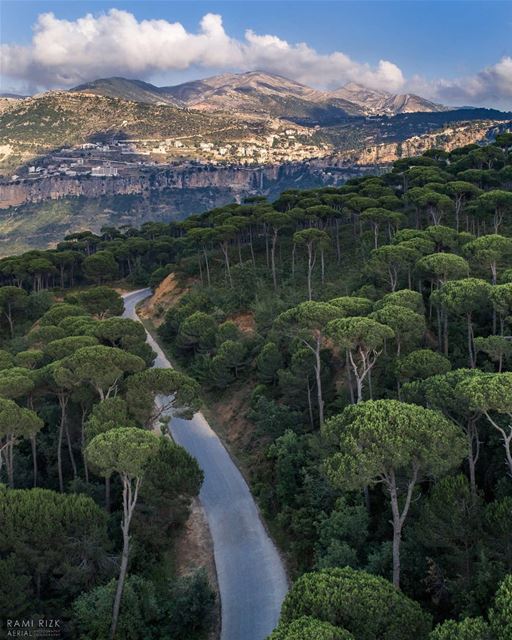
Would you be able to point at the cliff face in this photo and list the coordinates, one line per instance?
(47, 209)
(448, 139)
(239, 180)
(34, 213)
(235, 179)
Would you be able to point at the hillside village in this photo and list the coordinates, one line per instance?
(121, 156)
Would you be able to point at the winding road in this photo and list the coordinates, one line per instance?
(251, 576)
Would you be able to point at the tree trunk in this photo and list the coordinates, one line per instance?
(273, 259)
(251, 247)
(458, 210)
(473, 451)
(471, 346)
(70, 451)
(200, 268)
(497, 221)
(225, 251)
(9, 461)
(207, 267)
(507, 438)
(63, 403)
(338, 248)
(494, 273)
(8, 315)
(129, 502)
(310, 406)
(399, 518)
(439, 328)
(310, 271)
(445, 331)
(34, 459)
(120, 582)
(59, 458)
(359, 388)
(82, 441)
(318, 372)
(367, 503)
(397, 539)
(349, 378)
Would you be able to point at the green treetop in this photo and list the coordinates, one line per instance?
(394, 444)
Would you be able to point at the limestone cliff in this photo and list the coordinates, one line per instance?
(235, 181)
(448, 138)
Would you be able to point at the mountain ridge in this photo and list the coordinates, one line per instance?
(126, 89)
(385, 103)
(261, 92)
(159, 132)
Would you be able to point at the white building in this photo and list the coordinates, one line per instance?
(104, 171)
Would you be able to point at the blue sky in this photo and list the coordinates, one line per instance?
(426, 46)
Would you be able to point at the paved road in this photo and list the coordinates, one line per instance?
(251, 576)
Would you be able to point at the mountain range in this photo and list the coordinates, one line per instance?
(241, 118)
(116, 150)
(262, 93)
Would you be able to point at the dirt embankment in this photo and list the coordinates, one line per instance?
(166, 295)
(194, 546)
(194, 550)
(245, 322)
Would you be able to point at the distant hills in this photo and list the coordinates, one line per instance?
(117, 150)
(260, 93)
(38, 125)
(374, 102)
(135, 90)
(244, 118)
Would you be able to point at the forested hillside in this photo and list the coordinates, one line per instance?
(375, 360)
(93, 499)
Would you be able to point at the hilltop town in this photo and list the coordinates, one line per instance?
(123, 156)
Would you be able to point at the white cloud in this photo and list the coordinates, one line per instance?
(64, 53)
(491, 86)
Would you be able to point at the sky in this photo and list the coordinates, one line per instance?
(454, 52)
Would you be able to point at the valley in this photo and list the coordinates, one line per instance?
(118, 151)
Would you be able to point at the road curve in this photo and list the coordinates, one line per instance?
(251, 576)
